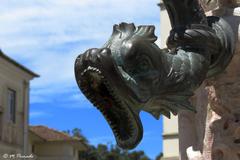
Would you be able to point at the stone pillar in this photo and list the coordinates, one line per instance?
(214, 132)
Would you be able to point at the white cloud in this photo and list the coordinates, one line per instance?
(102, 140)
(46, 36)
(37, 114)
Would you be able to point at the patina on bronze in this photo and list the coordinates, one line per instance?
(131, 73)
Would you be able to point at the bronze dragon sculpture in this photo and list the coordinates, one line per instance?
(131, 73)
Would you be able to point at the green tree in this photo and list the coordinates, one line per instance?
(76, 132)
(103, 152)
(67, 132)
(138, 155)
(159, 157)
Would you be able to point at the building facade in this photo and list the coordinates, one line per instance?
(16, 137)
(170, 126)
(14, 105)
(50, 144)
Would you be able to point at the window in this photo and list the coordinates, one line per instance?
(33, 149)
(12, 105)
(83, 155)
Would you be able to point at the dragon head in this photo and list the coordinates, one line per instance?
(130, 73)
(124, 77)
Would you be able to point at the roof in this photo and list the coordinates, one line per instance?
(50, 134)
(17, 64)
(34, 137)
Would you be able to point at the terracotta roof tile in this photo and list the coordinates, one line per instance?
(52, 134)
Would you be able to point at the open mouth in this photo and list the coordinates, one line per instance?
(125, 124)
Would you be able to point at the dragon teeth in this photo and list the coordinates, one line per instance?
(99, 105)
(90, 68)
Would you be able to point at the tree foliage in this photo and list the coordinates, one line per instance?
(104, 152)
(76, 132)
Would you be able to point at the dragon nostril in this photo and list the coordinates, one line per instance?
(106, 52)
(237, 141)
(78, 61)
(95, 51)
(87, 58)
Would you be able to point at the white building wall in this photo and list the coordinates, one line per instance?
(55, 151)
(170, 126)
(12, 139)
(165, 26)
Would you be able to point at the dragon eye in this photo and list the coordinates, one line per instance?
(144, 63)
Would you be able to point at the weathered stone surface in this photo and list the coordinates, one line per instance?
(216, 131)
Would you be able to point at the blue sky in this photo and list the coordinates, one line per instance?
(46, 36)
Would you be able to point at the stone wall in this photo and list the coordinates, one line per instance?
(214, 132)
